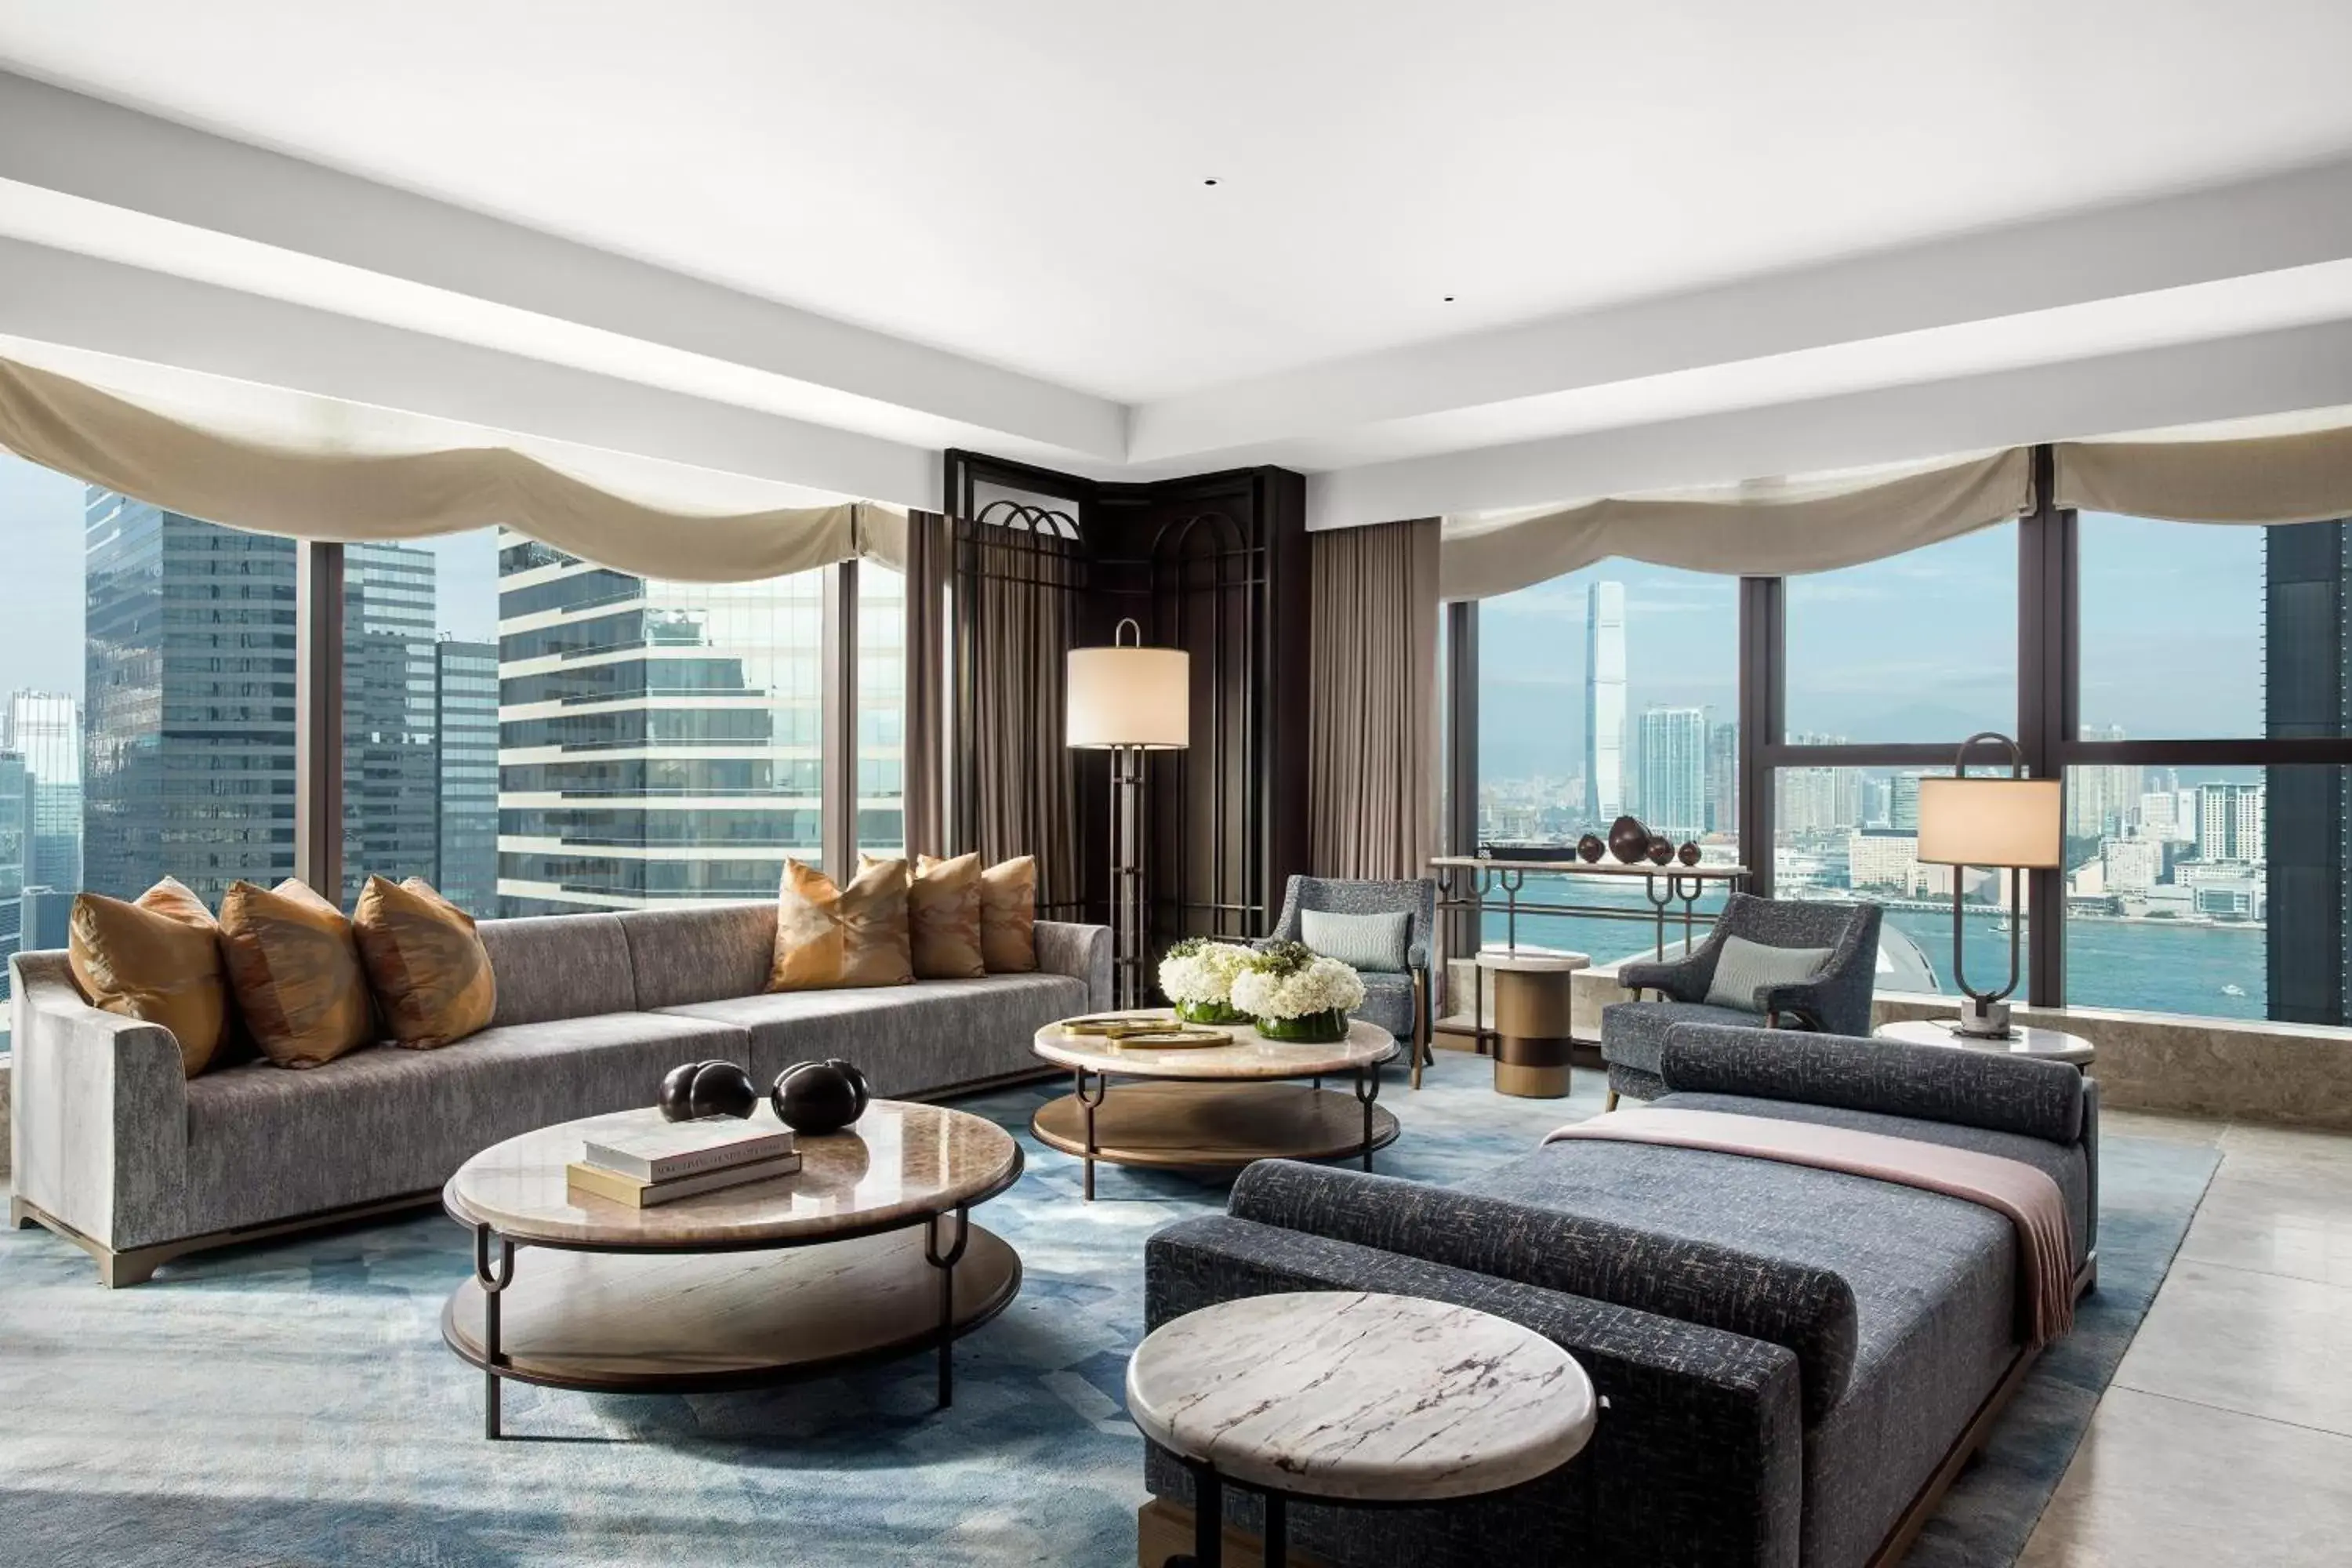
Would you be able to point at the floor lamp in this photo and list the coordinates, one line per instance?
(2013, 823)
(1128, 699)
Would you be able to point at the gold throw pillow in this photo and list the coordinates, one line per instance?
(829, 937)
(158, 961)
(428, 969)
(1008, 916)
(943, 918)
(296, 971)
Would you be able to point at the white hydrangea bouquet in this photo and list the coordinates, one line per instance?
(1198, 975)
(1295, 994)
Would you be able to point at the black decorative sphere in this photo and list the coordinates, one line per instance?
(677, 1090)
(1687, 854)
(817, 1098)
(1662, 849)
(704, 1089)
(1589, 848)
(1627, 839)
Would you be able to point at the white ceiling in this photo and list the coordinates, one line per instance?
(1019, 184)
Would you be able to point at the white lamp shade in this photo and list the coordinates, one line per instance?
(1130, 697)
(1991, 821)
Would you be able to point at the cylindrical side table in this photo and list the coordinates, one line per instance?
(1532, 1003)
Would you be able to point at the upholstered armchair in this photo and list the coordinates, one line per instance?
(1399, 1001)
(1834, 999)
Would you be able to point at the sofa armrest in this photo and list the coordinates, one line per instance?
(98, 1112)
(1932, 1083)
(1809, 1311)
(1080, 951)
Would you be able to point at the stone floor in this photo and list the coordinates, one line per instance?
(2226, 1437)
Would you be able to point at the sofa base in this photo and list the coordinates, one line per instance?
(136, 1265)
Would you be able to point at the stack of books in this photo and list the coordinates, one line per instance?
(644, 1165)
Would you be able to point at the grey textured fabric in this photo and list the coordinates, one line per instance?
(265, 1143)
(1696, 1462)
(97, 1108)
(908, 1039)
(2040, 1099)
(1744, 968)
(559, 966)
(677, 956)
(1836, 1001)
(1360, 942)
(1808, 1310)
(1387, 1002)
(1080, 951)
(1633, 1034)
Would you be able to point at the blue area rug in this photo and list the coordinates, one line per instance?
(294, 1404)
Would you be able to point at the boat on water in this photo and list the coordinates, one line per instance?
(2233, 989)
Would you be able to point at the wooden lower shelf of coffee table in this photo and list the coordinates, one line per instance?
(638, 1323)
(1177, 1123)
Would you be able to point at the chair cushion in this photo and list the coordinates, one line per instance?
(908, 1039)
(829, 937)
(1633, 1034)
(430, 974)
(1360, 942)
(1743, 967)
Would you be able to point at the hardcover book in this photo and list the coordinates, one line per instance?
(620, 1189)
(664, 1150)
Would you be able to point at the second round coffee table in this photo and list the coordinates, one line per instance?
(1216, 1106)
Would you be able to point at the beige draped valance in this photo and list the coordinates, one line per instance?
(311, 467)
(1768, 528)
(2304, 476)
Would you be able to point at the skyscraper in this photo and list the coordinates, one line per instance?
(188, 750)
(658, 742)
(465, 723)
(1604, 702)
(1674, 770)
(2229, 822)
(2100, 800)
(44, 728)
(2303, 816)
(1722, 778)
(391, 767)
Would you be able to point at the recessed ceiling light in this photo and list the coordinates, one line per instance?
(1208, 181)
(1449, 298)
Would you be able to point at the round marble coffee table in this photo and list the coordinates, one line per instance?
(867, 1253)
(1210, 1106)
(1341, 1397)
(2024, 1040)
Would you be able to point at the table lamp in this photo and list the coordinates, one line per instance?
(2011, 824)
(1128, 699)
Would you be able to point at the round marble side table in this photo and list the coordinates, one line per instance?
(2024, 1040)
(1532, 1004)
(1352, 1398)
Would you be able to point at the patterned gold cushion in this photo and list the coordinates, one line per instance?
(943, 918)
(829, 937)
(296, 971)
(428, 969)
(159, 960)
(1008, 916)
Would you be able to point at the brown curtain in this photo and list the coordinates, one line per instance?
(930, 564)
(1372, 713)
(1015, 606)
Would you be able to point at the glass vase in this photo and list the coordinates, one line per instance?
(1309, 1028)
(1211, 1013)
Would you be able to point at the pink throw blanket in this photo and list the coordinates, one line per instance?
(2027, 1197)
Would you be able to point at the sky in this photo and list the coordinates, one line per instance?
(41, 534)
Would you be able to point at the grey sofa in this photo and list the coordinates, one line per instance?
(116, 1150)
(1835, 1000)
(1794, 1361)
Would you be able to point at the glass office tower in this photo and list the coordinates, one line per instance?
(391, 764)
(466, 722)
(45, 729)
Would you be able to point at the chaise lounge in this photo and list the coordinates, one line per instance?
(1794, 1361)
(118, 1151)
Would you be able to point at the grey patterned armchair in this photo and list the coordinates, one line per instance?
(1834, 1001)
(1400, 1002)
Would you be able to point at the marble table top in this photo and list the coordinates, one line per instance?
(1251, 1055)
(1532, 959)
(2024, 1040)
(1345, 1396)
(897, 1161)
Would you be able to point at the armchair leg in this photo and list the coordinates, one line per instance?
(1421, 1056)
(1612, 1103)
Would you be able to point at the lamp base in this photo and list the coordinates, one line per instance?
(1984, 1018)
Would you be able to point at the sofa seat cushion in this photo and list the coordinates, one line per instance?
(907, 1039)
(265, 1143)
(1633, 1034)
(1934, 1280)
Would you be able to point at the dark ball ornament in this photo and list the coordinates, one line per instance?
(1662, 849)
(817, 1098)
(1627, 839)
(1589, 848)
(697, 1089)
(1687, 854)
